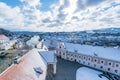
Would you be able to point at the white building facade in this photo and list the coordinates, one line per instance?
(91, 56)
(3, 39)
(33, 42)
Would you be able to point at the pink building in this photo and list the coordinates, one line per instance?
(3, 38)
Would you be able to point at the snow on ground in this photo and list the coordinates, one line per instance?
(85, 73)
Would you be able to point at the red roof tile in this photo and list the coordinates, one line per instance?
(3, 37)
(25, 69)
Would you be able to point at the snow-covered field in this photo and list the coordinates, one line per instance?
(85, 73)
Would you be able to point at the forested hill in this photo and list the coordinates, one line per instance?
(5, 32)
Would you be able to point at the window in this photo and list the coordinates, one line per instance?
(60, 52)
(109, 63)
(84, 57)
(89, 58)
(94, 65)
(117, 65)
(95, 60)
(83, 62)
(88, 63)
(101, 67)
(116, 71)
(67, 57)
(101, 61)
(66, 51)
(108, 69)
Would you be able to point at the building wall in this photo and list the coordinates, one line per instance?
(3, 41)
(91, 61)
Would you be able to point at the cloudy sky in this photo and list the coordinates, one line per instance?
(59, 15)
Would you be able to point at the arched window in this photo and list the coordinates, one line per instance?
(116, 71)
(88, 63)
(89, 58)
(94, 65)
(117, 65)
(108, 69)
(83, 62)
(101, 67)
(84, 57)
(95, 60)
(102, 61)
(109, 63)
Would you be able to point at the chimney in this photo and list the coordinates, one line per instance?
(16, 60)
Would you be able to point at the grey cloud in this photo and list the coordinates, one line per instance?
(92, 19)
(40, 25)
(96, 14)
(46, 20)
(94, 2)
(65, 5)
(80, 5)
(61, 16)
(118, 16)
(107, 20)
(55, 24)
(75, 17)
(113, 4)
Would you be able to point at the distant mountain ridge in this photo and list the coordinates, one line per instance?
(108, 30)
(9, 33)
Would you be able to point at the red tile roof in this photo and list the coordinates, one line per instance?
(3, 37)
(25, 69)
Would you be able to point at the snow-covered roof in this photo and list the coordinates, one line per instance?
(102, 52)
(33, 41)
(40, 45)
(49, 56)
(51, 43)
(25, 69)
(85, 73)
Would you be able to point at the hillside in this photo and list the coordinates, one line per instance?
(108, 30)
(5, 32)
